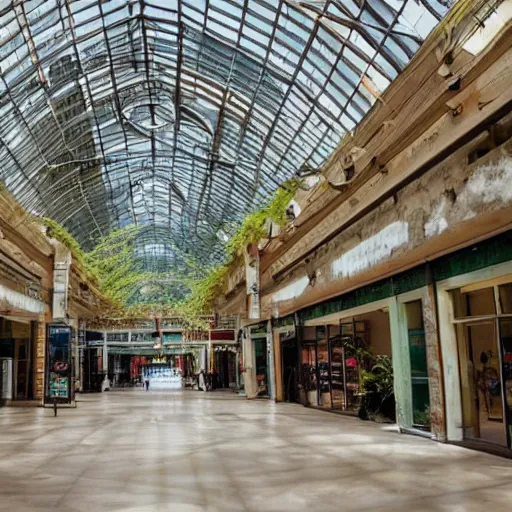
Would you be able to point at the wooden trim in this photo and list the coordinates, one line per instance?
(497, 281)
(334, 318)
(405, 126)
(486, 226)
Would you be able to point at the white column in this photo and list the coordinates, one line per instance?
(270, 360)
(105, 352)
(250, 385)
(209, 367)
(401, 364)
(450, 358)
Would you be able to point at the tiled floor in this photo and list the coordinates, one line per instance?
(133, 451)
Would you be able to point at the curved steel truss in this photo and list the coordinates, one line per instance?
(180, 116)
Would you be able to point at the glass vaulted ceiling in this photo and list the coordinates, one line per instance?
(180, 116)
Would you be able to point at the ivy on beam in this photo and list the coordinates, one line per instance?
(135, 293)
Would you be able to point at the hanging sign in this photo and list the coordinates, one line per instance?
(58, 364)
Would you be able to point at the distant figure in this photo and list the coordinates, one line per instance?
(105, 385)
(146, 384)
(201, 381)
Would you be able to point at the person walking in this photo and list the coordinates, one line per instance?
(146, 384)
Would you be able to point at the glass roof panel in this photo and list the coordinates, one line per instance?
(181, 116)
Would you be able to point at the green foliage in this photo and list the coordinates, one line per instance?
(364, 357)
(422, 418)
(60, 233)
(121, 276)
(137, 293)
(202, 296)
(377, 387)
(252, 228)
(250, 231)
(382, 372)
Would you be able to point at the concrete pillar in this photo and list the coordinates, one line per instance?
(278, 368)
(450, 365)
(270, 361)
(40, 353)
(401, 364)
(434, 365)
(105, 352)
(251, 387)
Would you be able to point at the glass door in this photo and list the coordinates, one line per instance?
(506, 348)
(260, 352)
(324, 380)
(309, 373)
(351, 370)
(337, 373)
(354, 341)
(21, 349)
(289, 359)
(481, 382)
(419, 367)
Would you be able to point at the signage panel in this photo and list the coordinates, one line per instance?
(59, 370)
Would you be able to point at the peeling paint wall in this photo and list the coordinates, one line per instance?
(450, 194)
(292, 291)
(371, 251)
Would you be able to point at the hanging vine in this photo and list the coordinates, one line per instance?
(252, 229)
(137, 293)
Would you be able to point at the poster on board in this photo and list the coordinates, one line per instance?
(58, 364)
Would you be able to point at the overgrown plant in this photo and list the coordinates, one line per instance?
(252, 228)
(60, 233)
(113, 260)
(378, 389)
(121, 277)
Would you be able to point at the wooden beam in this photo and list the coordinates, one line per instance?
(464, 235)
(486, 80)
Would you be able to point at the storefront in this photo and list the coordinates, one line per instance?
(440, 332)
(225, 366)
(185, 360)
(261, 358)
(121, 356)
(17, 359)
(286, 354)
(92, 361)
(258, 361)
(225, 353)
(337, 358)
(369, 352)
(476, 331)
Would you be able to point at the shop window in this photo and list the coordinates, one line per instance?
(474, 303)
(323, 374)
(505, 292)
(481, 381)
(356, 359)
(419, 368)
(309, 374)
(260, 353)
(506, 344)
(6, 348)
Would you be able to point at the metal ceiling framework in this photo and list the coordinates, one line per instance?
(180, 116)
